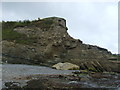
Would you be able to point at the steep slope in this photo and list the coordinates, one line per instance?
(46, 42)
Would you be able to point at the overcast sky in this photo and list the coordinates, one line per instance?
(94, 23)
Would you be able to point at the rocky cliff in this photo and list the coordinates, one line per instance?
(47, 42)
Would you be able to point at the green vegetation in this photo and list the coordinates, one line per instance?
(44, 23)
(9, 34)
(117, 55)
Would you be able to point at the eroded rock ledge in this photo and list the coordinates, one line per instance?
(47, 42)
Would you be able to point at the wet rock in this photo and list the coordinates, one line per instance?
(76, 72)
(12, 85)
(100, 81)
(50, 84)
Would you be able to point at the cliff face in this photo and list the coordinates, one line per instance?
(52, 44)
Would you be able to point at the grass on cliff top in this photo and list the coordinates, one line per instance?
(9, 34)
(44, 23)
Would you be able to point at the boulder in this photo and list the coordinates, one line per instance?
(66, 66)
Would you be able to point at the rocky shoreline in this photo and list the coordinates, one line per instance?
(47, 44)
(63, 79)
(66, 82)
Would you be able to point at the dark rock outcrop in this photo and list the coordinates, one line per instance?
(52, 44)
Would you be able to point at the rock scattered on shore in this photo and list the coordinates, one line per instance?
(66, 66)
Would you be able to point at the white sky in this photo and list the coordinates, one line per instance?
(94, 23)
